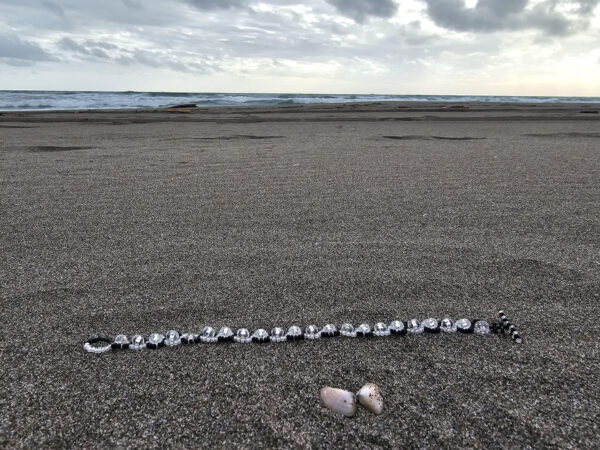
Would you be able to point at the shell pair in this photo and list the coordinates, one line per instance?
(344, 402)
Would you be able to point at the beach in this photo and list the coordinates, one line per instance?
(140, 221)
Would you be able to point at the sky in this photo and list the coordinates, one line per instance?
(462, 47)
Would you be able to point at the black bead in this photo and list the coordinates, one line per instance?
(434, 330)
(467, 330)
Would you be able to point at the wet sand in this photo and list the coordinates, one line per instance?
(141, 221)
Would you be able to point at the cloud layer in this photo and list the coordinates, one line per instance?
(392, 44)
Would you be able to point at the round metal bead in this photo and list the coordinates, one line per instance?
(381, 329)
(242, 336)
(312, 332)
(431, 325)
(137, 342)
(464, 326)
(448, 325)
(347, 330)
(294, 333)
(397, 327)
(414, 326)
(172, 338)
(225, 334)
(363, 330)
(208, 335)
(278, 335)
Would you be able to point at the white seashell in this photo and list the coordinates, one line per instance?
(370, 397)
(338, 400)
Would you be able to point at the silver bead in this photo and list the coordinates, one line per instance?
(242, 336)
(137, 342)
(225, 334)
(481, 327)
(329, 330)
(120, 341)
(294, 333)
(397, 327)
(463, 325)
(381, 329)
(208, 335)
(155, 340)
(277, 335)
(414, 326)
(172, 338)
(347, 330)
(312, 332)
(447, 325)
(431, 325)
(260, 335)
(364, 329)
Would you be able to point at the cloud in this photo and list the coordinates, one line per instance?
(16, 51)
(554, 17)
(216, 4)
(55, 8)
(70, 45)
(361, 10)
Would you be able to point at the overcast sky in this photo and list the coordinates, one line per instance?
(510, 47)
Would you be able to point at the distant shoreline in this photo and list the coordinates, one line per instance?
(320, 112)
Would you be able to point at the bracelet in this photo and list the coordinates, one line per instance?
(311, 332)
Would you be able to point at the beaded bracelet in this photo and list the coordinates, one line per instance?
(311, 332)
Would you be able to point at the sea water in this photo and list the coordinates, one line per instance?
(77, 100)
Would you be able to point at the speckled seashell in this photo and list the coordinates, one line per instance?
(370, 397)
(338, 400)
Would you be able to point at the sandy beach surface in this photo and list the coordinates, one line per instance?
(141, 221)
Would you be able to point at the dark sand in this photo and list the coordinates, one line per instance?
(140, 221)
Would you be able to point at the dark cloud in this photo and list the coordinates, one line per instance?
(19, 52)
(361, 10)
(495, 15)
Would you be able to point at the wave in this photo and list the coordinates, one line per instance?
(79, 100)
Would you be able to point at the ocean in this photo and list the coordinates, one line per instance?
(78, 100)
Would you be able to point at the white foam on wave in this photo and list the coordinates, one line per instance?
(53, 100)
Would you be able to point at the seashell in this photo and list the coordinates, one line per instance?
(338, 400)
(370, 397)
